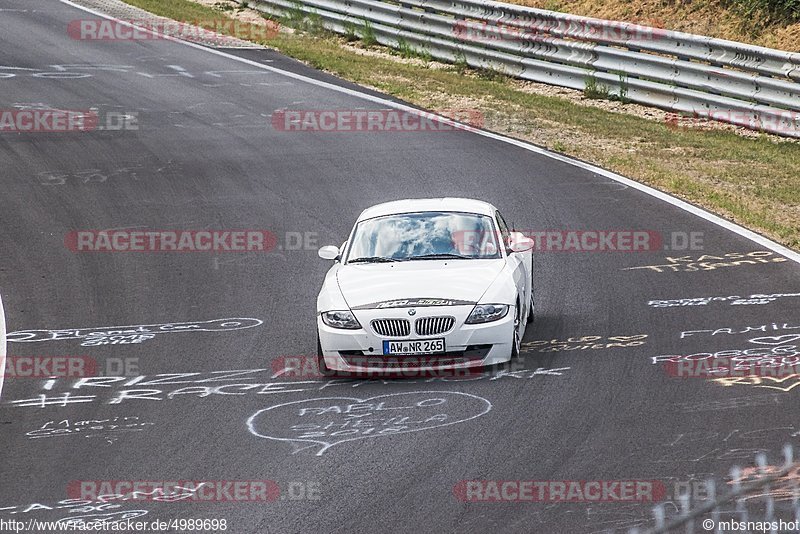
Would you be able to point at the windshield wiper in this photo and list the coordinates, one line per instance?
(441, 257)
(375, 259)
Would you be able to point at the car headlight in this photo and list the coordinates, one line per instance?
(486, 313)
(341, 319)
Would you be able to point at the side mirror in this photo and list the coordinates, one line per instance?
(519, 243)
(329, 252)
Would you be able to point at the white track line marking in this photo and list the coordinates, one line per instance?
(699, 212)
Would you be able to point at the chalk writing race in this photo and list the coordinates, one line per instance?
(229, 385)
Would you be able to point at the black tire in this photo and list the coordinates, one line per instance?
(323, 368)
(532, 310)
(516, 359)
(516, 342)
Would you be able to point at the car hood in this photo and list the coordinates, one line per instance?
(458, 281)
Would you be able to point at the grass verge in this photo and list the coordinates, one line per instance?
(770, 23)
(754, 181)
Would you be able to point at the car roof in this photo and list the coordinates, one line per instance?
(413, 205)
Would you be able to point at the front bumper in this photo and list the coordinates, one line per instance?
(466, 345)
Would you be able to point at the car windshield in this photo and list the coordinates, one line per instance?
(424, 236)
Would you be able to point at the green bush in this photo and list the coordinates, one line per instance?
(784, 11)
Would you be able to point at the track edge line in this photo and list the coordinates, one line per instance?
(660, 195)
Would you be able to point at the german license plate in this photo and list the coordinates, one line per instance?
(422, 346)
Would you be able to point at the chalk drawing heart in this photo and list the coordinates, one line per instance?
(775, 340)
(329, 421)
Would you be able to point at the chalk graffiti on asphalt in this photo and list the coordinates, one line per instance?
(757, 298)
(772, 363)
(768, 340)
(330, 421)
(706, 262)
(219, 384)
(732, 403)
(784, 488)
(90, 428)
(104, 508)
(781, 383)
(119, 335)
(583, 343)
(748, 354)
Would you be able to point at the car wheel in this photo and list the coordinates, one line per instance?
(531, 310)
(323, 368)
(517, 342)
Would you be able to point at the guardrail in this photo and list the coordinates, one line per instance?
(697, 76)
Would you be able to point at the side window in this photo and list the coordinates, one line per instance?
(504, 233)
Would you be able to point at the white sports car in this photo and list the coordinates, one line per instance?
(425, 284)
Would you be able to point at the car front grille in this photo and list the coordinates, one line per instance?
(431, 326)
(391, 327)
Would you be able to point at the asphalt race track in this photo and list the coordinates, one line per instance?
(588, 401)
